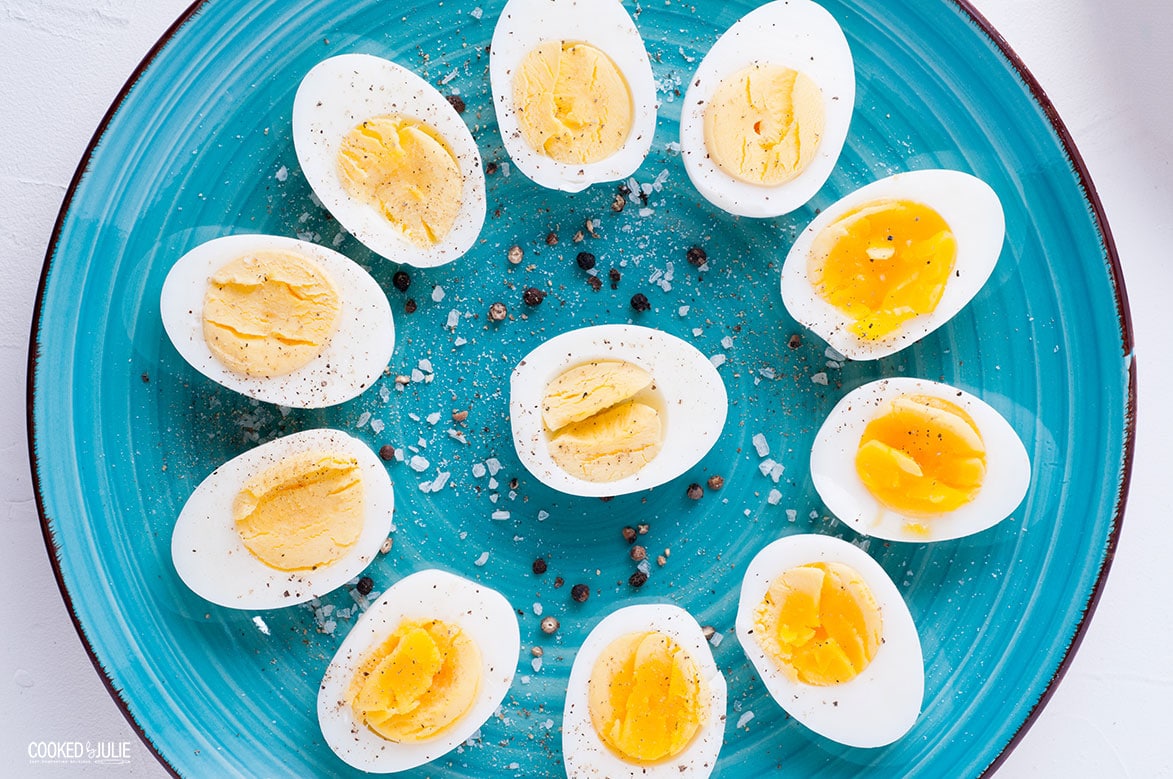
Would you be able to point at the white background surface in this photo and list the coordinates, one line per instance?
(1105, 65)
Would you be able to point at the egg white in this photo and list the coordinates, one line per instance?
(695, 402)
(879, 705)
(973, 212)
(353, 360)
(798, 34)
(604, 24)
(339, 93)
(838, 484)
(482, 613)
(585, 753)
(213, 562)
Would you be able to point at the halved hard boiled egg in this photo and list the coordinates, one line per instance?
(613, 409)
(767, 111)
(832, 639)
(285, 522)
(913, 460)
(893, 261)
(390, 158)
(279, 320)
(573, 91)
(644, 698)
(426, 665)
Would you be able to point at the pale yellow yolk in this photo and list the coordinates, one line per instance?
(922, 456)
(573, 104)
(883, 264)
(819, 623)
(764, 123)
(423, 678)
(269, 314)
(404, 168)
(646, 697)
(302, 513)
(600, 429)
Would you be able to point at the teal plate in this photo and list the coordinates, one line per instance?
(199, 146)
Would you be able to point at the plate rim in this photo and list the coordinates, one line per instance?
(983, 25)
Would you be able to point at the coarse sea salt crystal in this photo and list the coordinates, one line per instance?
(478, 470)
(433, 418)
(543, 515)
(536, 664)
(760, 445)
(399, 454)
(377, 426)
(697, 332)
(417, 375)
(437, 293)
(767, 373)
(260, 623)
(492, 483)
(776, 472)
(384, 393)
(820, 378)
(451, 75)
(418, 464)
(716, 639)
(499, 515)
(744, 719)
(833, 355)
(718, 360)
(791, 515)
(460, 342)
(683, 310)
(494, 465)
(440, 480)
(727, 342)
(766, 465)
(476, 13)
(774, 498)
(480, 561)
(453, 319)
(425, 365)
(363, 418)
(282, 173)
(537, 609)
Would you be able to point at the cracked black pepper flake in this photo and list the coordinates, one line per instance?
(614, 275)
(638, 553)
(595, 283)
(795, 341)
(539, 566)
(490, 169)
(629, 534)
(532, 296)
(497, 312)
(618, 204)
(580, 593)
(457, 102)
(515, 254)
(558, 582)
(146, 377)
(696, 256)
(639, 301)
(387, 452)
(695, 491)
(550, 625)
(401, 281)
(410, 306)
(643, 528)
(585, 260)
(365, 585)
(716, 482)
(552, 239)
(638, 579)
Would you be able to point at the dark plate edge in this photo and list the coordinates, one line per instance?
(34, 356)
(1123, 314)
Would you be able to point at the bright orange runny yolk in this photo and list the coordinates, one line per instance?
(922, 456)
(883, 264)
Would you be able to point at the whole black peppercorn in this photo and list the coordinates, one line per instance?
(401, 281)
(580, 593)
(638, 553)
(639, 301)
(497, 312)
(795, 341)
(614, 275)
(696, 256)
(539, 566)
(365, 585)
(695, 491)
(387, 452)
(585, 260)
(716, 482)
(490, 169)
(457, 102)
(532, 296)
(410, 306)
(549, 627)
(551, 239)
(638, 579)
(629, 534)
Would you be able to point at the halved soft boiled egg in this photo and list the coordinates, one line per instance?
(573, 91)
(912, 460)
(644, 698)
(279, 320)
(832, 639)
(767, 111)
(614, 409)
(426, 665)
(893, 261)
(285, 522)
(390, 158)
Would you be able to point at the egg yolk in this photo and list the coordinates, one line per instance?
(269, 314)
(302, 513)
(602, 421)
(646, 697)
(573, 104)
(422, 679)
(819, 623)
(883, 264)
(404, 168)
(922, 456)
(763, 124)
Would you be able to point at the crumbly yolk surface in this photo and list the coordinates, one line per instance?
(573, 104)
(646, 696)
(423, 678)
(599, 427)
(883, 264)
(405, 169)
(302, 513)
(819, 623)
(922, 456)
(268, 314)
(764, 123)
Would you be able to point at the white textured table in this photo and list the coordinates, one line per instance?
(1105, 65)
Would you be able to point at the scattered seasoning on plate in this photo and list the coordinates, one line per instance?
(695, 491)
(716, 482)
(532, 296)
(585, 260)
(696, 256)
(639, 301)
(580, 593)
(401, 281)
(497, 311)
(638, 579)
